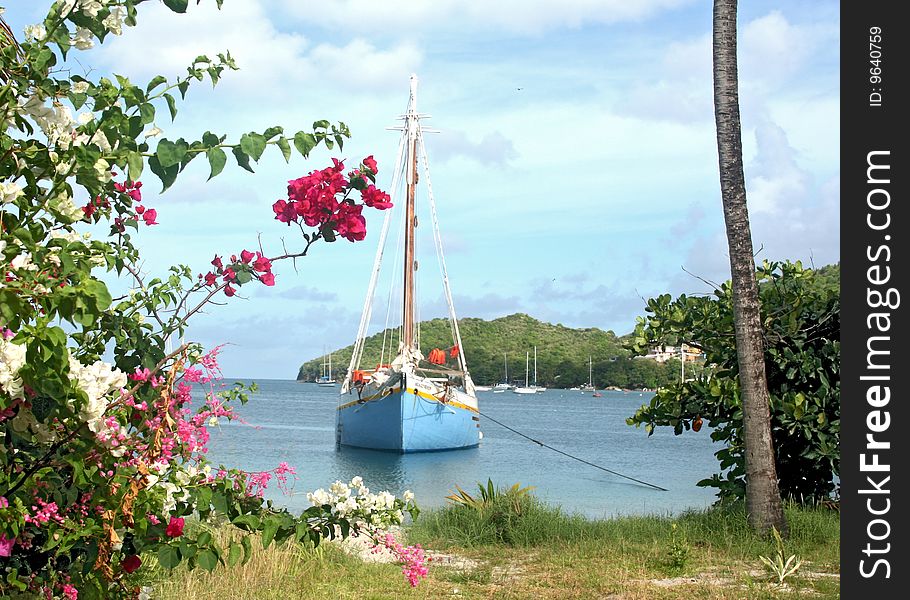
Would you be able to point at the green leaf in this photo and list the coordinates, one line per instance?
(234, 554)
(217, 160)
(204, 539)
(168, 557)
(147, 112)
(135, 162)
(178, 6)
(285, 148)
(167, 175)
(272, 132)
(207, 560)
(171, 153)
(304, 142)
(155, 82)
(171, 105)
(247, 549)
(247, 522)
(269, 529)
(242, 159)
(253, 144)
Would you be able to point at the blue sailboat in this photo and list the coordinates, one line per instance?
(415, 403)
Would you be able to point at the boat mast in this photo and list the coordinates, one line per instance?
(410, 220)
(527, 360)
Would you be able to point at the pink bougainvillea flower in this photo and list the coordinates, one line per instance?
(131, 563)
(216, 262)
(246, 256)
(141, 374)
(6, 545)
(370, 164)
(229, 274)
(210, 278)
(174, 527)
(350, 223)
(135, 194)
(140, 209)
(262, 264)
(149, 216)
(267, 278)
(376, 198)
(286, 212)
(229, 291)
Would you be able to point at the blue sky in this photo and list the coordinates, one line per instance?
(571, 199)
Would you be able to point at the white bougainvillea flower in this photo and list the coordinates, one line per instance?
(83, 39)
(9, 191)
(35, 33)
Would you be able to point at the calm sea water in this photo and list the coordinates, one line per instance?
(294, 422)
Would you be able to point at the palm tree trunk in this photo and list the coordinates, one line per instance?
(763, 501)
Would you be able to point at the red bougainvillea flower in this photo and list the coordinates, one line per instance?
(131, 563)
(267, 278)
(140, 209)
(210, 278)
(216, 262)
(229, 274)
(246, 256)
(262, 264)
(174, 527)
(229, 291)
(376, 198)
(370, 164)
(149, 216)
(350, 224)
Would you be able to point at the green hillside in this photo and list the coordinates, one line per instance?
(562, 353)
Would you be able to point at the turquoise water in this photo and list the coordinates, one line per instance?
(294, 423)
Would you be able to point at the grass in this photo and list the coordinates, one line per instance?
(531, 550)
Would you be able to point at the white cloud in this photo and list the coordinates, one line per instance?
(270, 60)
(773, 55)
(776, 183)
(511, 15)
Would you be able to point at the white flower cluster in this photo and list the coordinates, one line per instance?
(58, 124)
(353, 501)
(12, 358)
(35, 33)
(97, 381)
(114, 21)
(9, 191)
(185, 475)
(90, 8)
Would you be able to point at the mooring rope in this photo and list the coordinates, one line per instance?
(581, 460)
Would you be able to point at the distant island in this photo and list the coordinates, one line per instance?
(562, 354)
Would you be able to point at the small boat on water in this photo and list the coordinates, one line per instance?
(537, 388)
(326, 380)
(482, 388)
(597, 395)
(526, 389)
(414, 403)
(589, 387)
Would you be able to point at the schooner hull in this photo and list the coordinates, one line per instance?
(404, 419)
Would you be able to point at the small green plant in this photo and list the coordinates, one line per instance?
(780, 567)
(678, 554)
(489, 494)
